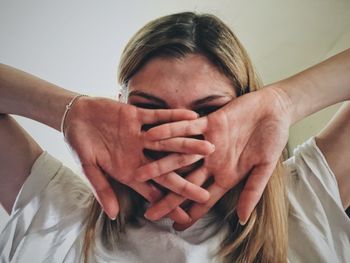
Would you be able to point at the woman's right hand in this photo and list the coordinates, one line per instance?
(107, 137)
(249, 134)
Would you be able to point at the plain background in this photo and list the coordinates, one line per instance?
(77, 44)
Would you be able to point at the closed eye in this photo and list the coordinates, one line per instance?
(146, 105)
(207, 110)
(203, 111)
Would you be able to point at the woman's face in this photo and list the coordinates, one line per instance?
(192, 82)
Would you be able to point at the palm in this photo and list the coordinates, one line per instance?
(100, 141)
(247, 144)
(249, 135)
(108, 139)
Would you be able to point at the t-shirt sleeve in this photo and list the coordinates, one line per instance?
(312, 168)
(317, 221)
(44, 169)
(52, 199)
(49, 178)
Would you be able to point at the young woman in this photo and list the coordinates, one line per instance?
(182, 63)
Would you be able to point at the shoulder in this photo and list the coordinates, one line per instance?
(316, 214)
(50, 211)
(51, 181)
(309, 168)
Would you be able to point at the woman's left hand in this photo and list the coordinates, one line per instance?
(249, 135)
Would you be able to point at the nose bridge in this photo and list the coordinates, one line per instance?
(184, 92)
(180, 100)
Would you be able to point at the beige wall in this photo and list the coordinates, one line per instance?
(76, 44)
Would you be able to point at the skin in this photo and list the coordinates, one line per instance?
(179, 83)
(192, 83)
(92, 129)
(261, 120)
(242, 123)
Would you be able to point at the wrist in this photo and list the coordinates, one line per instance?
(298, 97)
(68, 108)
(284, 101)
(75, 110)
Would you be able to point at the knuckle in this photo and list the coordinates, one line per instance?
(184, 188)
(207, 206)
(157, 167)
(123, 178)
(167, 180)
(169, 205)
(161, 180)
(188, 128)
(182, 159)
(184, 144)
(169, 130)
(221, 122)
(162, 145)
(99, 189)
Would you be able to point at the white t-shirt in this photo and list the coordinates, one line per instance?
(48, 220)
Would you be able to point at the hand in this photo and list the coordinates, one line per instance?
(249, 135)
(107, 137)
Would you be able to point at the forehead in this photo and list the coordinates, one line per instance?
(188, 79)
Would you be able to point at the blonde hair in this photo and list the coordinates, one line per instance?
(264, 237)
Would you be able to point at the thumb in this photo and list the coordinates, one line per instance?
(102, 190)
(252, 191)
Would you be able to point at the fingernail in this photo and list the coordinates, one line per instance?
(205, 197)
(147, 216)
(189, 220)
(141, 178)
(212, 147)
(242, 223)
(112, 216)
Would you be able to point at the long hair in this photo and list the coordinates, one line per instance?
(264, 237)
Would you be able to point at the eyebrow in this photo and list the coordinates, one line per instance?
(147, 96)
(163, 103)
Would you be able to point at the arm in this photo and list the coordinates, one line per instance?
(28, 96)
(93, 130)
(316, 88)
(257, 129)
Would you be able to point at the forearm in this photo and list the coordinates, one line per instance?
(26, 95)
(317, 87)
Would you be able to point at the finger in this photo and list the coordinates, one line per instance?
(181, 145)
(181, 186)
(177, 129)
(159, 116)
(179, 216)
(147, 190)
(199, 210)
(252, 191)
(165, 165)
(173, 200)
(102, 190)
